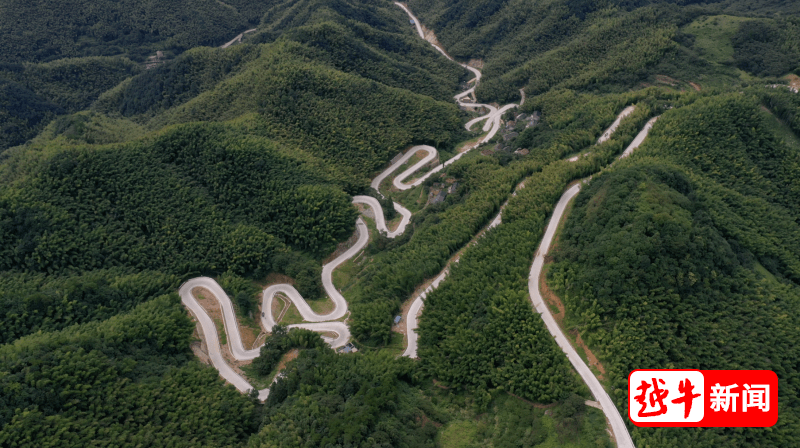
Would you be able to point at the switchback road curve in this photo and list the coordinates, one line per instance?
(418, 303)
(330, 322)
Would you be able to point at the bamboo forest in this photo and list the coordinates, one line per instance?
(368, 223)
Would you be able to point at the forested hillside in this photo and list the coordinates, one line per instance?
(33, 94)
(686, 257)
(359, 38)
(42, 31)
(136, 154)
(237, 161)
(609, 46)
(129, 380)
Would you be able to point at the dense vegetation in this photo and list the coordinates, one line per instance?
(604, 46)
(42, 31)
(72, 83)
(128, 381)
(334, 37)
(783, 104)
(281, 340)
(324, 399)
(436, 233)
(355, 400)
(686, 257)
(22, 114)
(36, 302)
(240, 163)
(479, 330)
(100, 214)
(767, 49)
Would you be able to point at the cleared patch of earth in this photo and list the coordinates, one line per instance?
(555, 301)
(210, 304)
(286, 359)
(249, 336)
(279, 307)
(476, 63)
(199, 348)
(424, 420)
(794, 81)
(369, 213)
(667, 80)
(275, 278)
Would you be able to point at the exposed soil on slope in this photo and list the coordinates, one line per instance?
(209, 303)
(290, 356)
(794, 81)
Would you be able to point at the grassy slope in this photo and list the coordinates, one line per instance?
(713, 36)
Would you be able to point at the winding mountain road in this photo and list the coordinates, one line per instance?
(418, 303)
(238, 38)
(609, 132)
(329, 322)
(611, 129)
(380, 220)
(494, 116)
(621, 433)
(315, 321)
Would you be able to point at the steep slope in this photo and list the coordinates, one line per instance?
(686, 257)
(238, 161)
(241, 163)
(23, 114)
(66, 387)
(42, 30)
(601, 46)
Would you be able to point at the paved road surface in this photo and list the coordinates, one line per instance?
(210, 333)
(621, 433)
(491, 109)
(380, 219)
(607, 135)
(494, 116)
(419, 301)
(609, 132)
(323, 323)
(411, 317)
(231, 327)
(238, 38)
(612, 414)
(639, 138)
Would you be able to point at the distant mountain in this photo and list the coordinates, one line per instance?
(608, 46)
